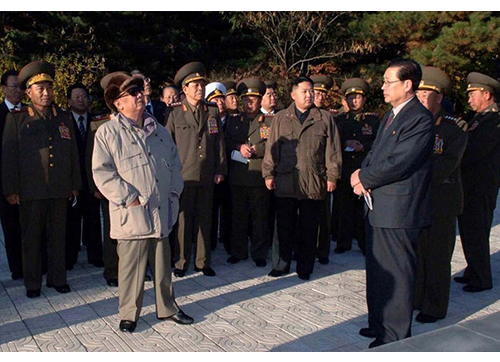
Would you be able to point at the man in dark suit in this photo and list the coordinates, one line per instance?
(87, 207)
(396, 175)
(9, 214)
(481, 180)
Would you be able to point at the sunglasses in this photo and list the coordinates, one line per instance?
(132, 92)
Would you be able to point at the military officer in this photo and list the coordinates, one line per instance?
(322, 84)
(437, 242)
(196, 129)
(221, 212)
(357, 130)
(246, 138)
(232, 105)
(481, 178)
(41, 171)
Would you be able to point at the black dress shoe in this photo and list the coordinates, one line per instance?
(180, 318)
(61, 288)
(209, 272)
(233, 260)
(17, 276)
(304, 276)
(179, 273)
(127, 326)
(260, 263)
(324, 261)
(35, 293)
(376, 343)
(276, 273)
(367, 332)
(473, 289)
(425, 318)
(340, 250)
(461, 280)
(113, 282)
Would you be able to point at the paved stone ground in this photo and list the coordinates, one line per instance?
(241, 309)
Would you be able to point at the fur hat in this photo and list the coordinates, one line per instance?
(115, 84)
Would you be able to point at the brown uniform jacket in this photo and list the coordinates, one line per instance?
(302, 157)
(449, 146)
(40, 155)
(255, 132)
(201, 145)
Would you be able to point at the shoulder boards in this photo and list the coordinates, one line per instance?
(269, 115)
(371, 114)
(335, 111)
(451, 119)
(176, 104)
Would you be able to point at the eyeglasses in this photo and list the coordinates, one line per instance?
(389, 82)
(132, 92)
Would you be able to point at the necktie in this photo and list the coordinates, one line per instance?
(81, 127)
(389, 120)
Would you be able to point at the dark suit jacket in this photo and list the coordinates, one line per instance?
(159, 111)
(398, 170)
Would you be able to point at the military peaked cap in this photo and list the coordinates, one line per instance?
(230, 87)
(251, 87)
(355, 85)
(322, 82)
(478, 81)
(36, 72)
(435, 79)
(189, 73)
(214, 89)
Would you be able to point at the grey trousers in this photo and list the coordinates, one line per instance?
(133, 258)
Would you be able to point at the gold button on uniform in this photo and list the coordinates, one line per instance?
(51, 165)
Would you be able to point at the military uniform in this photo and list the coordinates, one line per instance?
(323, 83)
(481, 179)
(200, 141)
(109, 245)
(250, 197)
(361, 127)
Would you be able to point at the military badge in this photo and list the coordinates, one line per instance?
(265, 130)
(474, 126)
(212, 125)
(367, 130)
(64, 131)
(438, 145)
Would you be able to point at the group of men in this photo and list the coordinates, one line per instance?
(258, 178)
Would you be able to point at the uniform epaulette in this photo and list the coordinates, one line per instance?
(371, 114)
(460, 122)
(235, 115)
(268, 115)
(176, 104)
(335, 111)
